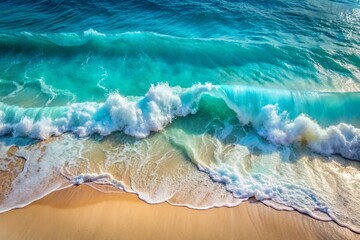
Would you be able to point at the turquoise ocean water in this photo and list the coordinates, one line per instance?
(198, 103)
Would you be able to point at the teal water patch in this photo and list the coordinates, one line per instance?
(62, 68)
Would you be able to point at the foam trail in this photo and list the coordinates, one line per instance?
(103, 178)
(296, 185)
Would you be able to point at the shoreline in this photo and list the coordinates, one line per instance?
(82, 212)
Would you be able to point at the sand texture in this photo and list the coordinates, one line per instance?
(84, 213)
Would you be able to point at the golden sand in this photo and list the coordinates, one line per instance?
(84, 213)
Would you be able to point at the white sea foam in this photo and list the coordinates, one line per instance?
(103, 178)
(161, 104)
(93, 32)
(305, 183)
(342, 139)
(41, 172)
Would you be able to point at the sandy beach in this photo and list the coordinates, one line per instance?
(84, 213)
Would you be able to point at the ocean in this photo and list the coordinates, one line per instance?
(196, 103)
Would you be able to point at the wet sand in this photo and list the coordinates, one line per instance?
(84, 213)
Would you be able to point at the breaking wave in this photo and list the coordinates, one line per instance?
(281, 117)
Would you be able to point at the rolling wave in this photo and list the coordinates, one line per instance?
(282, 117)
(105, 60)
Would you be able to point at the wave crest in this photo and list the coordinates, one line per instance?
(139, 117)
(343, 139)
